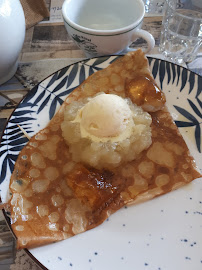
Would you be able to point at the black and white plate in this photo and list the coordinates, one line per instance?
(162, 234)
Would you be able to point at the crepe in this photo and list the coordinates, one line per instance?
(54, 198)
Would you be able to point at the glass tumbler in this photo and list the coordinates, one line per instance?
(181, 34)
(154, 6)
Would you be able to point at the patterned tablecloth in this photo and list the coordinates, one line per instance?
(48, 48)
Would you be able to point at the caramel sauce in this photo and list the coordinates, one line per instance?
(94, 187)
(143, 90)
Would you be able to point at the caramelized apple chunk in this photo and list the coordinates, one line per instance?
(94, 187)
(144, 92)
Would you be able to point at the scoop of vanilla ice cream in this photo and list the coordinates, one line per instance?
(105, 116)
(106, 130)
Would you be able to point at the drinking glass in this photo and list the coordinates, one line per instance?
(181, 34)
(154, 7)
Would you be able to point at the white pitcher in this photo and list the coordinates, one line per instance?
(12, 35)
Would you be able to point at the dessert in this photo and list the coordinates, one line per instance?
(56, 194)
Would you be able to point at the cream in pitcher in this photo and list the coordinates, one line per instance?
(105, 27)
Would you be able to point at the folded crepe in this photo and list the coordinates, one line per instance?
(54, 198)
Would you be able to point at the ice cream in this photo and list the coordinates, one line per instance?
(105, 130)
(105, 117)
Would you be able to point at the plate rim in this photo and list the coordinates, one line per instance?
(7, 219)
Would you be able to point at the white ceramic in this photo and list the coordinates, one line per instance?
(12, 34)
(105, 27)
(161, 234)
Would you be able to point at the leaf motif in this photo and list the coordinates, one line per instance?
(150, 60)
(40, 97)
(191, 81)
(162, 73)
(91, 71)
(60, 101)
(10, 131)
(82, 74)
(13, 132)
(199, 102)
(155, 68)
(19, 120)
(72, 75)
(100, 60)
(16, 136)
(15, 127)
(12, 127)
(60, 85)
(186, 114)
(65, 93)
(62, 72)
(198, 137)
(178, 75)
(11, 164)
(30, 94)
(17, 148)
(20, 113)
(25, 105)
(3, 152)
(52, 108)
(174, 72)
(25, 126)
(97, 68)
(195, 109)
(3, 141)
(184, 124)
(44, 103)
(110, 62)
(13, 157)
(168, 72)
(18, 141)
(4, 170)
(184, 79)
(52, 80)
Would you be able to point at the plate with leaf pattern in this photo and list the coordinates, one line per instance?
(164, 233)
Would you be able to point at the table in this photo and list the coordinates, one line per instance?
(46, 49)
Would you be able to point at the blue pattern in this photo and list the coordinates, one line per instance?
(46, 98)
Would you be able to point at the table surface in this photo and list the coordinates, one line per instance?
(46, 49)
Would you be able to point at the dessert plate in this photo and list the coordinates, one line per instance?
(164, 233)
